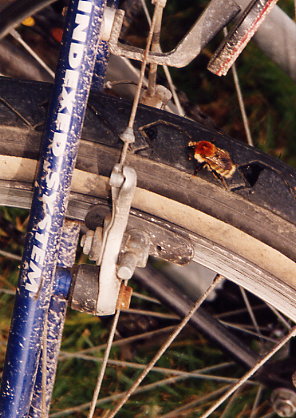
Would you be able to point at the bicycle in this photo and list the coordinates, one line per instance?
(205, 222)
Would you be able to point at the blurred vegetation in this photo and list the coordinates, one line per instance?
(269, 94)
(270, 99)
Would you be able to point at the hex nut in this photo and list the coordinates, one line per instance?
(284, 402)
(86, 241)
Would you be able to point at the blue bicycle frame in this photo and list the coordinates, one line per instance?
(44, 280)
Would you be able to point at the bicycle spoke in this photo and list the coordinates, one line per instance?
(256, 401)
(7, 291)
(151, 313)
(141, 389)
(10, 255)
(200, 374)
(250, 311)
(231, 402)
(247, 331)
(201, 399)
(248, 327)
(145, 297)
(279, 316)
(164, 347)
(237, 311)
(20, 40)
(241, 100)
(242, 106)
(128, 340)
(250, 373)
(104, 364)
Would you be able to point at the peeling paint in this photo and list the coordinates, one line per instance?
(73, 80)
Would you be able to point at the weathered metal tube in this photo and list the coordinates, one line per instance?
(60, 146)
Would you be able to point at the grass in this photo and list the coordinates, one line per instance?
(76, 376)
(269, 94)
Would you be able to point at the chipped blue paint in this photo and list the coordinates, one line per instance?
(50, 200)
(55, 318)
(62, 283)
(101, 66)
(102, 58)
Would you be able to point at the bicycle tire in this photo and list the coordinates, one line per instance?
(246, 233)
(16, 12)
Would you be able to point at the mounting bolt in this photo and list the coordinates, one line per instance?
(284, 402)
(86, 241)
(128, 263)
(135, 253)
(96, 248)
(159, 100)
(92, 243)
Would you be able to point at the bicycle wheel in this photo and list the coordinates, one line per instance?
(246, 233)
(162, 203)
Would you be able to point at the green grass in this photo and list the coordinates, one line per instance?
(76, 377)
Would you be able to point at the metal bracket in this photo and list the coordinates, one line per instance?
(239, 36)
(206, 27)
(284, 402)
(165, 241)
(123, 185)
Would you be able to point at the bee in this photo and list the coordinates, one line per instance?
(215, 159)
